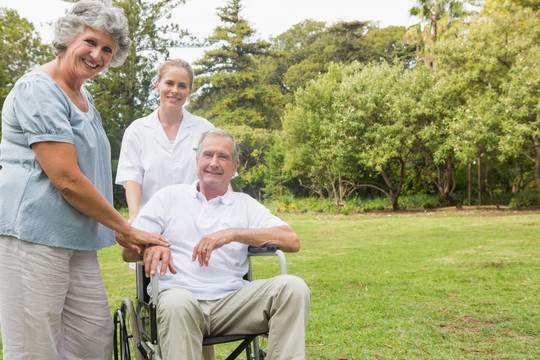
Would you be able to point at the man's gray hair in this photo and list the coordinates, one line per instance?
(220, 132)
(96, 15)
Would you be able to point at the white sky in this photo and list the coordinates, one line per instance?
(268, 17)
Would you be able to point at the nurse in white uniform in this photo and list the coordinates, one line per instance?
(159, 150)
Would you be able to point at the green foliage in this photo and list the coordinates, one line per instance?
(422, 201)
(525, 199)
(291, 204)
(21, 50)
(229, 88)
(357, 126)
(304, 51)
(492, 67)
(436, 17)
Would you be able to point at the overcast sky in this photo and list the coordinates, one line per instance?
(267, 17)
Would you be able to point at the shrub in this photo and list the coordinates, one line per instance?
(525, 198)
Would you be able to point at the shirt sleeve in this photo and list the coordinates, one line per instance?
(130, 162)
(151, 218)
(43, 111)
(260, 216)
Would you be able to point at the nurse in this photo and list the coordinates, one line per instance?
(159, 149)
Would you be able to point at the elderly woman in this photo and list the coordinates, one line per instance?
(56, 197)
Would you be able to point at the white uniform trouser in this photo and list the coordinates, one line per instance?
(54, 305)
(279, 305)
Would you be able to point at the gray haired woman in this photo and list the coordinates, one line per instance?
(56, 196)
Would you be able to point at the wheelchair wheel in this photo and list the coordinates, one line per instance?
(126, 332)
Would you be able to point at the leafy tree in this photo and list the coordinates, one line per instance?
(304, 51)
(341, 135)
(288, 63)
(21, 50)
(230, 92)
(368, 120)
(433, 121)
(389, 45)
(494, 62)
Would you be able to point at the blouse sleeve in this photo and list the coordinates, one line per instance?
(43, 111)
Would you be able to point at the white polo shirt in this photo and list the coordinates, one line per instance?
(149, 158)
(183, 215)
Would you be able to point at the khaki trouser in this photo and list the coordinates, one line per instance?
(54, 305)
(279, 305)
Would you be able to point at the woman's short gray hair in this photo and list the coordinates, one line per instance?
(220, 132)
(96, 15)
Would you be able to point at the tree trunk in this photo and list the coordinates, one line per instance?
(537, 163)
(479, 181)
(469, 183)
(394, 192)
(444, 183)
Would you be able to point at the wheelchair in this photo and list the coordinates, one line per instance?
(135, 322)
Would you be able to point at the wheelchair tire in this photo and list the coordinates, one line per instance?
(126, 332)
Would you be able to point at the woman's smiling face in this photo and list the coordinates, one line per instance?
(90, 53)
(174, 87)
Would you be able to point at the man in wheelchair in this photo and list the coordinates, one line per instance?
(202, 292)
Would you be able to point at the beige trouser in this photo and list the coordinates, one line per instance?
(54, 305)
(279, 305)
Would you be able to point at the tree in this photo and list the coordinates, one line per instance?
(341, 133)
(21, 50)
(231, 94)
(229, 90)
(287, 63)
(304, 51)
(494, 60)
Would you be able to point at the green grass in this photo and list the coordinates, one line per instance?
(423, 286)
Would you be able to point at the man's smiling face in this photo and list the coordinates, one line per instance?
(215, 164)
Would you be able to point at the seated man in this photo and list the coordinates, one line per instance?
(210, 227)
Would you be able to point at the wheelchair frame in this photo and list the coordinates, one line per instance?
(135, 325)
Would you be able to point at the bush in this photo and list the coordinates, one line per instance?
(525, 198)
(422, 201)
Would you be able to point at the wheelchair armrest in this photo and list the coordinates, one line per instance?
(270, 250)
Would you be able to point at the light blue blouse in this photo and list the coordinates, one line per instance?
(31, 208)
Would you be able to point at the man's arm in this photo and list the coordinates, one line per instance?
(282, 236)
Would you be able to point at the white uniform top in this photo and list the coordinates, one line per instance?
(149, 158)
(183, 215)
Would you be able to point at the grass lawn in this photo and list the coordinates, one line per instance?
(407, 286)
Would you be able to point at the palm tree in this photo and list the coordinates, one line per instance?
(436, 17)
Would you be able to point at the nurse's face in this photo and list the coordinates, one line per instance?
(174, 88)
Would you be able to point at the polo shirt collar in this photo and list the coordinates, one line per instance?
(227, 198)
